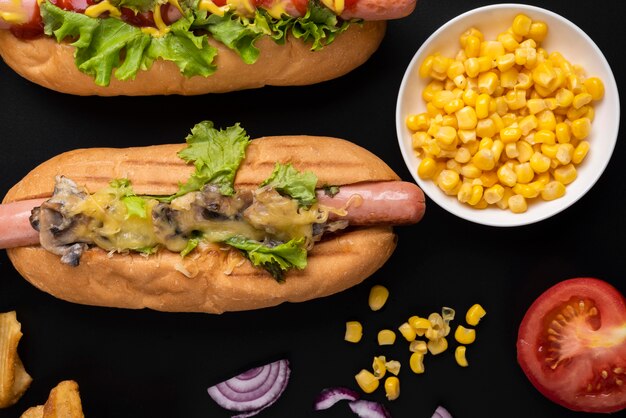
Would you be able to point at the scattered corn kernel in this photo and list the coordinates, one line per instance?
(393, 367)
(392, 388)
(416, 363)
(500, 115)
(459, 356)
(418, 346)
(408, 332)
(379, 367)
(386, 337)
(367, 381)
(437, 346)
(464, 335)
(354, 331)
(474, 314)
(378, 297)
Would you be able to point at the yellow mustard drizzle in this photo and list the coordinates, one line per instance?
(211, 7)
(242, 7)
(15, 14)
(277, 10)
(104, 6)
(336, 6)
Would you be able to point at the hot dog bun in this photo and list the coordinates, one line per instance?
(135, 281)
(45, 62)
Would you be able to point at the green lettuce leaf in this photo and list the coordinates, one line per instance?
(140, 6)
(135, 205)
(238, 34)
(277, 259)
(100, 44)
(216, 155)
(287, 180)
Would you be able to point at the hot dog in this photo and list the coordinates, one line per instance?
(343, 227)
(189, 46)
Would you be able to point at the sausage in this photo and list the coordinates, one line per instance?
(377, 203)
(15, 228)
(374, 203)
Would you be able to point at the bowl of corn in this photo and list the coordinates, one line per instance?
(507, 115)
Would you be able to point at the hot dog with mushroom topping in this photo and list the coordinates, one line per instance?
(189, 46)
(297, 218)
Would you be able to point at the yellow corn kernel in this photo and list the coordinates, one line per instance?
(378, 297)
(448, 180)
(484, 159)
(474, 314)
(437, 346)
(573, 113)
(553, 190)
(472, 67)
(419, 139)
(591, 113)
(546, 120)
(545, 136)
(460, 81)
(580, 152)
(581, 100)
(407, 332)
(441, 64)
(487, 82)
(488, 179)
(450, 121)
(485, 143)
(459, 356)
(595, 87)
(525, 56)
(427, 67)
(416, 363)
(453, 106)
(521, 25)
(581, 128)
(466, 118)
(508, 41)
(392, 388)
(418, 346)
(563, 133)
(484, 64)
(524, 80)
(366, 381)
(536, 105)
(462, 155)
(528, 124)
(470, 32)
(472, 46)
(516, 99)
(525, 151)
(420, 325)
(501, 107)
(432, 110)
(544, 74)
(538, 31)
(470, 171)
(565, 174)
(427, 168)
(386, 337)
(498, 123)
(442, 98)
(393, 366)
(494, 193)
(497, 148)
(379, 367)
(476, 195)
(431, 88)
(510, 150)
(469, 97)
(539, 163)
(464, 335)
(564, 97)
(526, 190)
(508, 78)
(465, 192)
(524, 173)
(507, 176)
(551, 103)
(419, 122)
(505, 63)
(549, 150)
(486, 128)
(511, 134)
(575, 84)
(354, 331)
(517, 204)
(455, 69)
(564, 153)
(492, 49)
(482, 105)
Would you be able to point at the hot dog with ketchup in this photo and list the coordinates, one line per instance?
(148, 47)
(222, 224)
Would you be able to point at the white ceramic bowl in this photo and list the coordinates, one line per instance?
(576, 47)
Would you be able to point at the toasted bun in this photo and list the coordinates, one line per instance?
(215, 279)
(50, 64)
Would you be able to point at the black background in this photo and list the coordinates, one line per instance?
(152, 364)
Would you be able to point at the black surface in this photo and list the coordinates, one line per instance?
(151, 364)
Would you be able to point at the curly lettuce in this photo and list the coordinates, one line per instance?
(107, 47)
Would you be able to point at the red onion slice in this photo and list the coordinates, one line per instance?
(329, 397)
(369, 409)
(254, 390)
(441, 412)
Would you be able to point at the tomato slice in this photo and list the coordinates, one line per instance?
(572, 345)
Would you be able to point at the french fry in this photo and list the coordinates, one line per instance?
(14, 380)
(63, 402)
